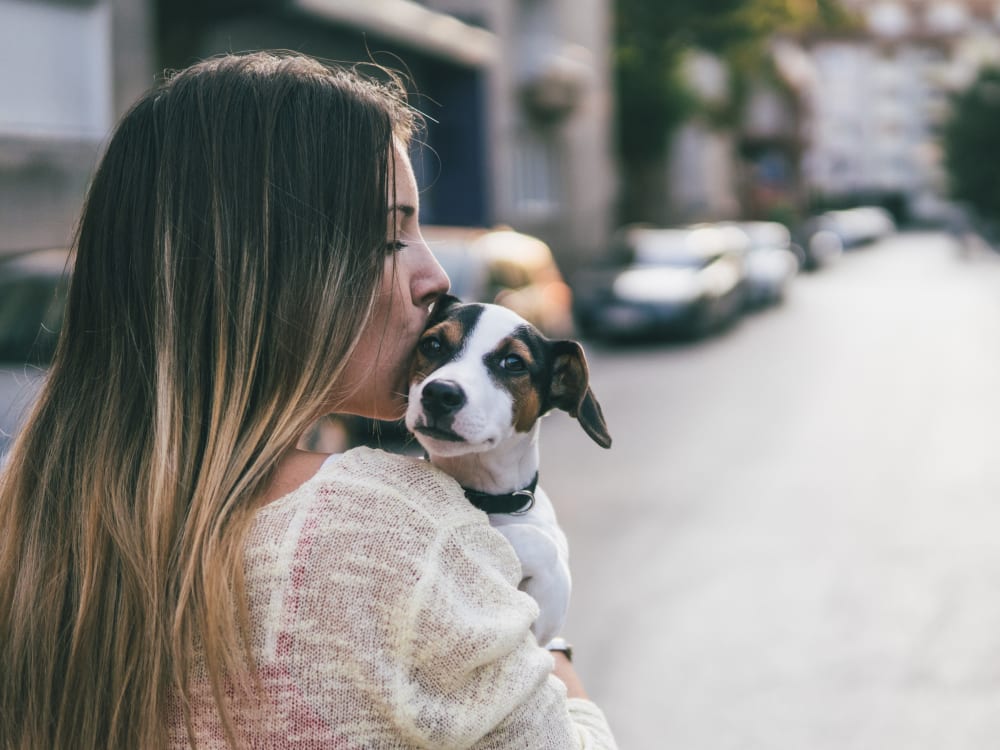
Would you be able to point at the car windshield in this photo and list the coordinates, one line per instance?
(682, 248)
(765, 234)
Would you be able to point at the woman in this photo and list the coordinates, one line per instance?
(173, 573)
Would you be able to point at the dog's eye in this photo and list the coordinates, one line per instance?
(513, 363)
(430, 346)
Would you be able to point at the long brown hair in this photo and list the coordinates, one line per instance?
(228, 255)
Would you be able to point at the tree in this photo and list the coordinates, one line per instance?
(651, 38)
(971, 140)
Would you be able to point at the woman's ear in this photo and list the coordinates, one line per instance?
(570, 391)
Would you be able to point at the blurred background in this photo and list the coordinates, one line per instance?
(773, 223)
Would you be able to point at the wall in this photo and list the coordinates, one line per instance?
(69, 69)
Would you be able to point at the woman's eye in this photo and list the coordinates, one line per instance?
(395, 246)
(431, 346)
(512, 363)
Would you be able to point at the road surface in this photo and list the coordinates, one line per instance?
(794, 543)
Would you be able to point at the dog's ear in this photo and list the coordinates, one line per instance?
(571, 392)
(441, 306)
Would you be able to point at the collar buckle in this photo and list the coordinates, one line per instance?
(528, 505)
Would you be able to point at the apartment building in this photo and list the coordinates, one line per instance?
(68, 68)
(877, 98)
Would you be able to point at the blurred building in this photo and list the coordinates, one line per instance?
(875, 100)
(744, 168)
(835, 118)
(517, 94)
(701, 163)
(68, 68)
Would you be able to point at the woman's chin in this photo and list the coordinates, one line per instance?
(391, 411)
(389, 408)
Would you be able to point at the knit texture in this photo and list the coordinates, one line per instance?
(385, 614)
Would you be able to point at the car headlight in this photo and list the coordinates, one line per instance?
(657, 285)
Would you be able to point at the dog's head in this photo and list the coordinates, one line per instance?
(482, 374)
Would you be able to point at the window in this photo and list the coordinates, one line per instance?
(534, 175)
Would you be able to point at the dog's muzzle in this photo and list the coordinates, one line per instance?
(442, 398)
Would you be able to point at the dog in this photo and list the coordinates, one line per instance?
(482, 378)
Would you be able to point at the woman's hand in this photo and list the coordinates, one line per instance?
(564, 671)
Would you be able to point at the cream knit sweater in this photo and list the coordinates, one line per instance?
(385, 614)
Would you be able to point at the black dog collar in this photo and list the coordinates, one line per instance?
(515, 503)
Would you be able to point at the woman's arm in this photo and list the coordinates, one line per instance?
(476, 676)
(402, 624)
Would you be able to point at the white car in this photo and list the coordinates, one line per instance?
(684, 282)
(860, 225)
(771, 261)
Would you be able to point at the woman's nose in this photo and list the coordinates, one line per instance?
(430, 280)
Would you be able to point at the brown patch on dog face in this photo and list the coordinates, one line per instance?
(527, 404)
(527, 401)
(449, 333)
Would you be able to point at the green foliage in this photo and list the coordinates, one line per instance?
(971, 140)
(651, 37)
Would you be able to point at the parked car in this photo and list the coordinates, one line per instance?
(685, 282)
(497, 265)
(860, 225)
(820, 244)
(32, 299)
(771, 261)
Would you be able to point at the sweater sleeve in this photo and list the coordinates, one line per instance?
(386, 614)
(474, 676)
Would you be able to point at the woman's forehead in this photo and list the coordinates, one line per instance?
(405, 196)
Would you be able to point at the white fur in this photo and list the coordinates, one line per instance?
(485, 420)
(496, 459)
(542, 548)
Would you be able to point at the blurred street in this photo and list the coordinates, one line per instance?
(792, 544)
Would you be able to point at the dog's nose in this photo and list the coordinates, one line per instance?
(441, 397)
